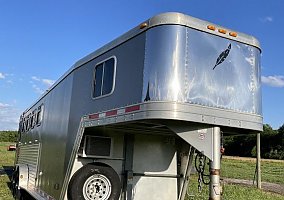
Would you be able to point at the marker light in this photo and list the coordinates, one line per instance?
(211, 27)
(233, 34)
(222, 31)
(143, 25)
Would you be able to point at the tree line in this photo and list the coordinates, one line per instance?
(272, 143)
(8, 136)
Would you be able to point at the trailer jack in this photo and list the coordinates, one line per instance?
(215, 164)
(208, 141)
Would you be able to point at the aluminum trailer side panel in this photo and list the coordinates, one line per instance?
(53, 137)
(155, 156)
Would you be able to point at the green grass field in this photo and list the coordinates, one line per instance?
(6, 160)
(231, 192)
(243, 168)
(231, 168)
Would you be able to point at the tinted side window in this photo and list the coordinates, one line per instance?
(108, 76)
(98, 80)
(104, 78)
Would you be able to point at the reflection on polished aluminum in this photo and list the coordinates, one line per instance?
(179, 67)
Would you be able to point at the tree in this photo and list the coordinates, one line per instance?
(272, 143)
(268, 130)
(281, 134)
(8, 136)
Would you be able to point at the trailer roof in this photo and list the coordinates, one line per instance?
(170, 18)
(173, 18)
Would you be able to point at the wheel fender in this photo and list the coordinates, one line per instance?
(23, 171)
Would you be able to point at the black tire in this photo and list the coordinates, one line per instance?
(17, 194)
(23, 195)
(15, 183)
(94, 182)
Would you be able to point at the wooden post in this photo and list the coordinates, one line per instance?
(258, 163)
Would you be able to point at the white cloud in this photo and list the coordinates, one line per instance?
(35, 78)
(37, 89)
(267, 19)
(2, 76)
(48, 82)
(9, 117)
(41, 85)
(3, 105)
(273, 81)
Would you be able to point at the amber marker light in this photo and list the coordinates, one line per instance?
(143, 25)
(233, 34)
(211, 27)
(222, 31)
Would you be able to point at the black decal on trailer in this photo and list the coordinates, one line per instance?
(222, 56)
(147, 98)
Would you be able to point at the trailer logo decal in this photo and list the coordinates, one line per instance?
(222, 56)
(201, 136)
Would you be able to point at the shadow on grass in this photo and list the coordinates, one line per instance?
(8, 170)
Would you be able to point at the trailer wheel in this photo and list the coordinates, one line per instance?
(23, 195)
(18, 194)
(94, 182)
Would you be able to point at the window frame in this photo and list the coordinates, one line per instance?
(94, 76)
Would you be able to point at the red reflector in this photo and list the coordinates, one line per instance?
(132, 108)
(94, 116)
(110, 113)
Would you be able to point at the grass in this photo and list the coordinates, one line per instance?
(6, 157)
(231, 168)
(6, 160)
(231, 192)
(271, 171)
(5, 193)
(242, 168)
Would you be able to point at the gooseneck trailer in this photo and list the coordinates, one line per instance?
(124, 122)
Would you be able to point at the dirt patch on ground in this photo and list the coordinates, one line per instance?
(270, 187)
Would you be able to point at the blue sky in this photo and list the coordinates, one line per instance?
(40, 40)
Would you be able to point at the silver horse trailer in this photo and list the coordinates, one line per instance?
(124, 122)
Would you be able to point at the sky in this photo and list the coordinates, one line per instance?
(41, 40)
